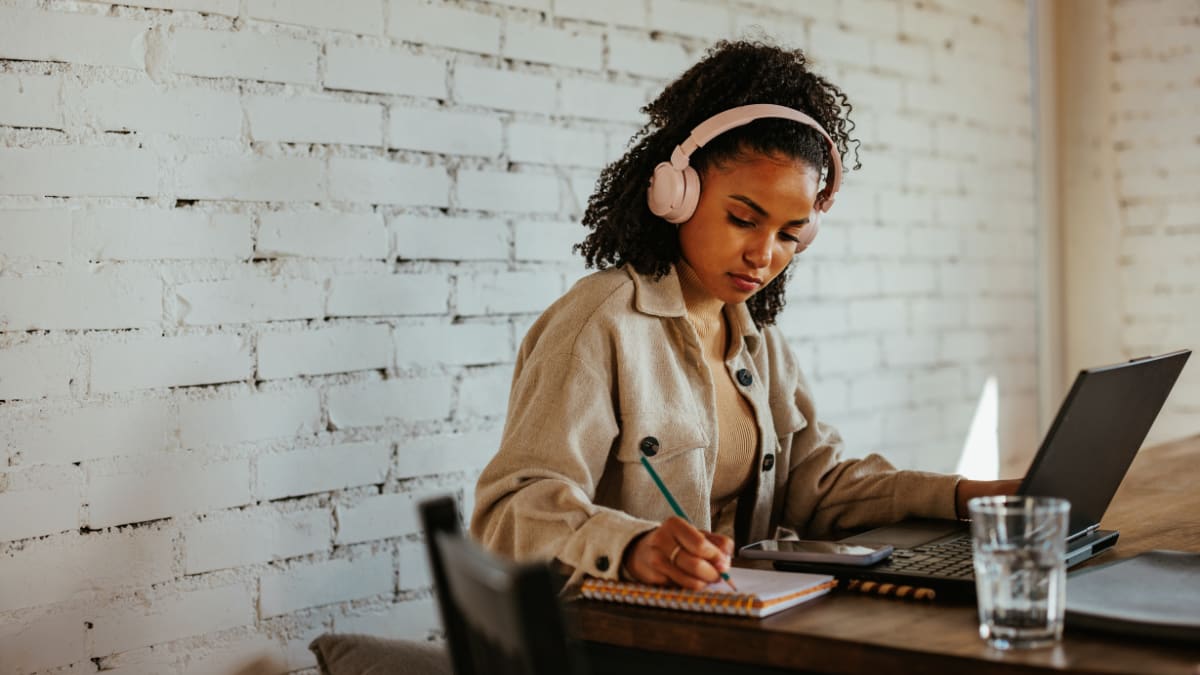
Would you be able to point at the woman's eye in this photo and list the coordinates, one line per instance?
(738, 221)
(788, 236)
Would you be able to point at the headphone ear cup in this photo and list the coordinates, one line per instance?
(666, 190)
(691, 197)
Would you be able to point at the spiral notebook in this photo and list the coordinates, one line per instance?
(760, 593)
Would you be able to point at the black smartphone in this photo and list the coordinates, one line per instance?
(816, 551)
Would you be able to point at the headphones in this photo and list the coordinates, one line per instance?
(675, 187)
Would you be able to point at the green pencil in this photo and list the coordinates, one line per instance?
(662, 487)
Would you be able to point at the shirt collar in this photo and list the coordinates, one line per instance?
(664, 298)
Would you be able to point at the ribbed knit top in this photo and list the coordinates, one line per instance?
(737, 431)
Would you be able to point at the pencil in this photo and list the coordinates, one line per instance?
(662, 487)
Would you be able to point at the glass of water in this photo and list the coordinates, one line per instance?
(1020, 569)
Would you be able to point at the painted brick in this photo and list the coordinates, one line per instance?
(35, 234)
(408, 620)
(448, 453)
(543, 44)
(361, 16)
(232, 655)
(245, 55)
(106, 298)
(621, 12)
(505, 90)
(325, 583)
(815, 319)
(459, 238)
(322, 234)
(963, 346)
(36, 369)
(636, 55)
(445, 131)
(835, 46)
(515, 192)
(690, 18)
(383, 182)
(50, 572)
(35, 512)
(314, 120)
(384, 71)
(28, 35)
(250, 178)
(146, 107)
(283, 414)
(78, 171)
(484, 392)
(221, 7)
(872, 391)
(460, 344)
(302, 472)
(388, 295)
(249, 299)
(170, 617)
(383, 517)
(877, 315)
(594, 99)
(416, 21)
(847, 280)
(337, 349)
(214, 544)
(47, 641)
(542, 144)
(414, 567)
(505, 293)
(909, 350)
(151, 363)
(547, 241)
(389, 402)
(874, 241)
(178, 488)
(60, 433)
(153, 234)
(903, 278)
(849, 355)
(31, 101)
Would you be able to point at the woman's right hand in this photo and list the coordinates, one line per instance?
(676, 552)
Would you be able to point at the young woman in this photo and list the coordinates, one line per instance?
(669, 352)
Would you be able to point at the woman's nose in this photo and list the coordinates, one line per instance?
(758, 252)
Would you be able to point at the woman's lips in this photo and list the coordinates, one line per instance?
(745, 283)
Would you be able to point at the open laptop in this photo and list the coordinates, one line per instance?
(1089, 447)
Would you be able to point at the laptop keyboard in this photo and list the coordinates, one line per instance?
(948, 559)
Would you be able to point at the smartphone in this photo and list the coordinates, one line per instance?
(817, 551)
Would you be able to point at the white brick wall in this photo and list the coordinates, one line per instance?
(1156, 176)
(264, 266)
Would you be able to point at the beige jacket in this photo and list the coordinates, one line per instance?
(612, 371)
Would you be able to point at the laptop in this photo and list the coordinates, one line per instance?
(1085, 455)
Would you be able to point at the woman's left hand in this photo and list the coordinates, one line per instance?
(967, 489)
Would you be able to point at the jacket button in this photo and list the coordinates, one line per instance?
(602, 563)
(768, 462)
(649, 446)
(745, 378)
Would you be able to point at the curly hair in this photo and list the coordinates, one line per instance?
(731, 74)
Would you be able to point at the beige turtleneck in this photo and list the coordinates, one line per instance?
(737, 432)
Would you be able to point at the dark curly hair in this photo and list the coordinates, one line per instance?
(624, 231)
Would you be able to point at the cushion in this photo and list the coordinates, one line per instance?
(353, 654)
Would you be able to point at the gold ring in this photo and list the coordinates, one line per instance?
(674, 553)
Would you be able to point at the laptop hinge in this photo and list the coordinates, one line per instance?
(1085, 532)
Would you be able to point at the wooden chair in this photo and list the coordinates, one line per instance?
(500, 617)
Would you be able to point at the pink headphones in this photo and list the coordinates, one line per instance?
(675, 187)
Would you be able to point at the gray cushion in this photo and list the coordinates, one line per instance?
(352, 654)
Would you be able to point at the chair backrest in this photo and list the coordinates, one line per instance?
(500, 617)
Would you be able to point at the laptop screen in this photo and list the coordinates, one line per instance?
(1098, 431)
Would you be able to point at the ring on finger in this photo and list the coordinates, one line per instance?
(674, 553)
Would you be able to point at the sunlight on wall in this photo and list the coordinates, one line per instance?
(980, 458)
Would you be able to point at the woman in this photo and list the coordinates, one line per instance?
(669, 352)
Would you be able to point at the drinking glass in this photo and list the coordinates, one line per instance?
(1019, 548)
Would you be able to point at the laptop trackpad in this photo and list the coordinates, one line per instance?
(908, 533)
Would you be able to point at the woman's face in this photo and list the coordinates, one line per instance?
(744, 231)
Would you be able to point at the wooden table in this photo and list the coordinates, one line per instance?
(1158, 506)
